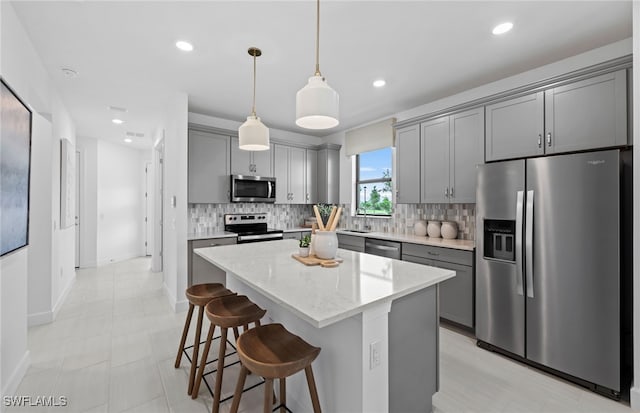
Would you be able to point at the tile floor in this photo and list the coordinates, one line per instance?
(112, 349)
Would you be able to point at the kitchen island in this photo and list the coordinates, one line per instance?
(376, 320)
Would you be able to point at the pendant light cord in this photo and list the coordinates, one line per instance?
(253, 108)
(318, 38)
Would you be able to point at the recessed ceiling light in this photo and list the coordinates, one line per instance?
(379, 83)
(184, 46)
(502, 28)
(128, 140)
(69, 73)
(117, 121)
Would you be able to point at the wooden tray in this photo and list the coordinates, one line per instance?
(313, 260)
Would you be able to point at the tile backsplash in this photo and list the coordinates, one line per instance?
(404, 217)
(210, 217)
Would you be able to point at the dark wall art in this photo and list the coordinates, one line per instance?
(15, 166)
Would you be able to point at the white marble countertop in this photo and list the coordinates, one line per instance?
(322, 296)
(459, 244)
(211, 235)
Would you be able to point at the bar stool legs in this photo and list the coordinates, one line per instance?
(311, 382)
(185, 331)
(198, 295)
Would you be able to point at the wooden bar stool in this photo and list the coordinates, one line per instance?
(198, 295)
(273, 352)
(226, 312)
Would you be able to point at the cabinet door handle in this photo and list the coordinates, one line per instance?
(548, 138)
(539, 140)
(451, 193)
(308, 197)
(433, 253)
(446, 192)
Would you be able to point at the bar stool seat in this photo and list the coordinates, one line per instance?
(271, 351)
(198, 295)
(227, 312)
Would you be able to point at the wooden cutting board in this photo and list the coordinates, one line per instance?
(313, 260)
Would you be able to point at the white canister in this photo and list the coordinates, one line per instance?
(449, 230)
(420, 228)
(433, 229)
(325, 244)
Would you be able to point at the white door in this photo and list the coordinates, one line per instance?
(77, 220)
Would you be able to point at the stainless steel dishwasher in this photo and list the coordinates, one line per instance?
(389, 249)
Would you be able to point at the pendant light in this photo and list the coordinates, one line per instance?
(316, 103)
(253, 135)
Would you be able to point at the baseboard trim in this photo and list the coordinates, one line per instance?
(635, 398)
(38, 319)
(63, 297)
(18, 374)
(178, 306)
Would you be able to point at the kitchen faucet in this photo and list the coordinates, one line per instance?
(366, 227)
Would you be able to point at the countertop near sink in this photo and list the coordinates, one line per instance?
(211, 234)
(458, 244)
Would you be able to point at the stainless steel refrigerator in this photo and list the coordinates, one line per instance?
(548, 263)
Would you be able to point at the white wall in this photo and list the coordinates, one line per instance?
(13, 337)
(23, 70)
(40, 223)
(120, 192)
(175, 187)
(88, 217)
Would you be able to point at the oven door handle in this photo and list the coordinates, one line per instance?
(261, 237)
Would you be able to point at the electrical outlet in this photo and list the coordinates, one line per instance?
(374, 354)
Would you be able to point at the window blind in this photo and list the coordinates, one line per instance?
(370, 138)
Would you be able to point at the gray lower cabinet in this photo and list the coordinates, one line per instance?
(351, 242)
(408, 165)
(202, 271)
(583, 115)
(208, 168)
(295, 235)
(457, 294)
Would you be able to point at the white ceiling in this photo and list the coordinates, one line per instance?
(125, 55)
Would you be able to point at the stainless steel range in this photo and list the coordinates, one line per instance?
(251, 227)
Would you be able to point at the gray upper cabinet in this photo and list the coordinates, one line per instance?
(435, 160)
(290, 174)
(408, 165)
(587, 114)
(452, 147)
(514, 128)
(311, 196)
(328, 171)
(582, 115)
(256, 163)
(208, 167)
(466, 151)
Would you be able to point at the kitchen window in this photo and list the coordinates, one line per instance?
(374, 183)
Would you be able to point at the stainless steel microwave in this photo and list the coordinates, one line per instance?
(245, 188)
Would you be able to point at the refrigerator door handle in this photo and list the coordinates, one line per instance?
(528, 235)
(519, 207)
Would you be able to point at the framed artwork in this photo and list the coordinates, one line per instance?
(15, 169)
(67, 182)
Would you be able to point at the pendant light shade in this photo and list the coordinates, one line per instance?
(253, 135)
(317, 105)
